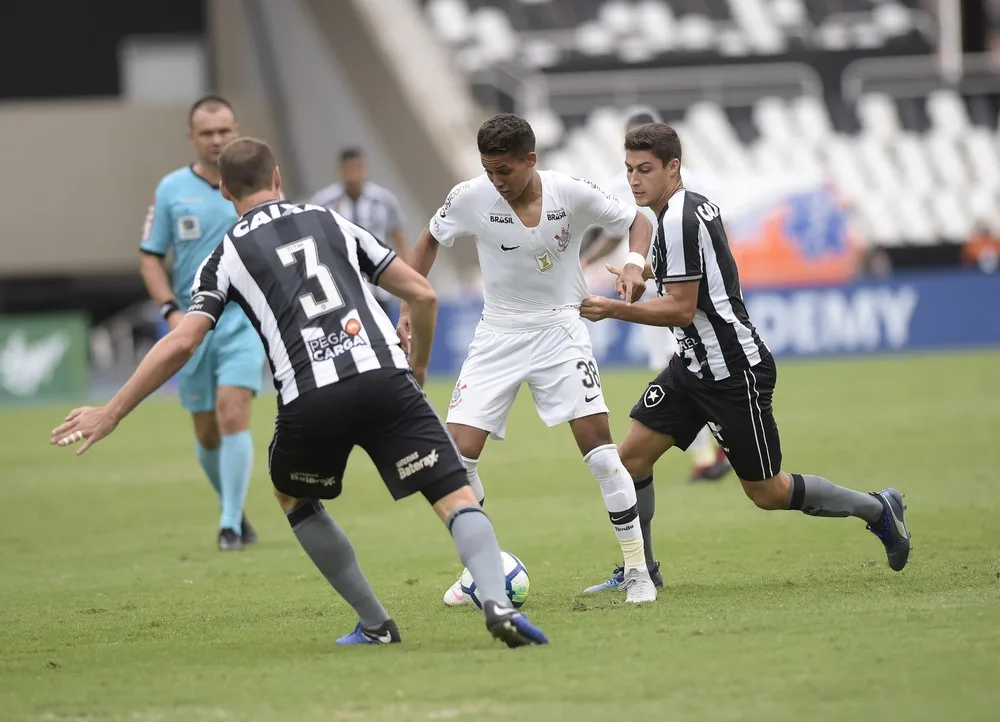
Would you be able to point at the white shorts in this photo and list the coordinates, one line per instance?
(557, 363)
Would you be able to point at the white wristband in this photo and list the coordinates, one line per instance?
(635, 259)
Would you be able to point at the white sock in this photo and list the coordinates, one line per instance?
(619, 499)
(702, 449)
(472, 472)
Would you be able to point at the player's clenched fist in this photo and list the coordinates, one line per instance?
(597, 308)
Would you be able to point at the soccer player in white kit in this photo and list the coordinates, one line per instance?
(527, 225)
(710, 462)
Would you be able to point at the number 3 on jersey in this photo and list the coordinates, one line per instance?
(314, 269)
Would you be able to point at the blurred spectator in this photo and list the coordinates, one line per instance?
(982, 249)
(366, 204)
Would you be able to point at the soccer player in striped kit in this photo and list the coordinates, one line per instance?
(300, 273)
(723, 374)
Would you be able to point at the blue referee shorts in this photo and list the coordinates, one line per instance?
(231, 355)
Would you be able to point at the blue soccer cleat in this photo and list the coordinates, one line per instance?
(613, 582)
(511, 627)
(891, 529)
(388, 633)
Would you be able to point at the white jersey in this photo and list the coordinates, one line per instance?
(531, 276)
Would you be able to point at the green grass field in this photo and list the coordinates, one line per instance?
(115, 605)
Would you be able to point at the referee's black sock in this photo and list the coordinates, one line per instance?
(331, 551)
(817, 496)
(645, 496)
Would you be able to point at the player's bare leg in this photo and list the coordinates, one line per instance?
(206, 432)
(330, 550)
(479, 551)
(470, 442)
(593, 437)
(232, 408)
(639, 451)
(816, 496)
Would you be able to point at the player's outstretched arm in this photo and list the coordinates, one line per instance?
(91, 424)
(640, 235)
(404, 282)
(424, 252)
(421, 261)
(676, 308)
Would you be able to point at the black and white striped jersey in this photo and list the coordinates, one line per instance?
(376, 210)
(691, 245)
(299, 272)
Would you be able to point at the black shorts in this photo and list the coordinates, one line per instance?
(385, 413)
(737, 410)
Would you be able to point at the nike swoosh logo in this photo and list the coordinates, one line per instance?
(505, 248)
(588, 399)
(900, 527)
(382, 638)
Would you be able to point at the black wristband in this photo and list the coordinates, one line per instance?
(168, 307)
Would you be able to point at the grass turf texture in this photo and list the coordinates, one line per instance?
(115, 605)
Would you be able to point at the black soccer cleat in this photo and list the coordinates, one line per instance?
(249, 535)
(230, 541)
(511, 627)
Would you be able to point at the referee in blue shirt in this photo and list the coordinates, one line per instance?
(188, 218)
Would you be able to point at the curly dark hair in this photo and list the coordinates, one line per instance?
(505, 134)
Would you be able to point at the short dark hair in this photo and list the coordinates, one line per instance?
(246, 166)
(211, 103)
(350, 154)
(658, 138)
(505, 134)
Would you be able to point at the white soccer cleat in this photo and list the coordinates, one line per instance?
(455, 597)
(638, 586)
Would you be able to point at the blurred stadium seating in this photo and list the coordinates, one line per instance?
(844, 91)
(835, 137)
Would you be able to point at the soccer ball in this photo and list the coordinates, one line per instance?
(517, 581)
